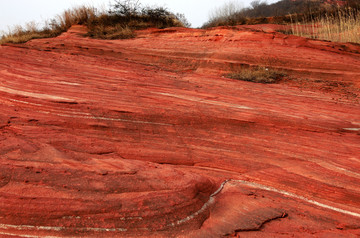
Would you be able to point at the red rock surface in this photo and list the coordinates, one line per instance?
(146, 137)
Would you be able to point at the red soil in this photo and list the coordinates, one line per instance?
(146, 137)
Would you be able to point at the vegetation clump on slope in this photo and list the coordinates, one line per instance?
(119, 22)
(81, 15)
(258, 74)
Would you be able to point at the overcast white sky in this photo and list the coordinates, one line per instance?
(19, 12)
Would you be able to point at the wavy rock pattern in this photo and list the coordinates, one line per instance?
(145, 137)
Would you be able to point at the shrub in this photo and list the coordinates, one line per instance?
(126, 8)
(132, 11)
(258, 75)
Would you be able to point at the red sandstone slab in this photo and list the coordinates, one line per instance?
(146, 137)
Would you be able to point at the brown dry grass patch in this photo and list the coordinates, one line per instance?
(340, 26)
(61, 23)
(258, 75)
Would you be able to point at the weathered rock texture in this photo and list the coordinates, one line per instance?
(146, 137)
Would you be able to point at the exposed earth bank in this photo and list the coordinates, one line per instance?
(147, 137)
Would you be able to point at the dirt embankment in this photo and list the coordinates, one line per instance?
(146, 137)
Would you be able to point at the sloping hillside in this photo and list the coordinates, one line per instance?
(147, 137)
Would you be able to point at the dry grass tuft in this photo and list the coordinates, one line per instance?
(258, 75)
(111, 32)
(340, 26)
(23, 34)
(61, 23)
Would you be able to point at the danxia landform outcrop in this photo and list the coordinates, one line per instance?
(147, 137)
